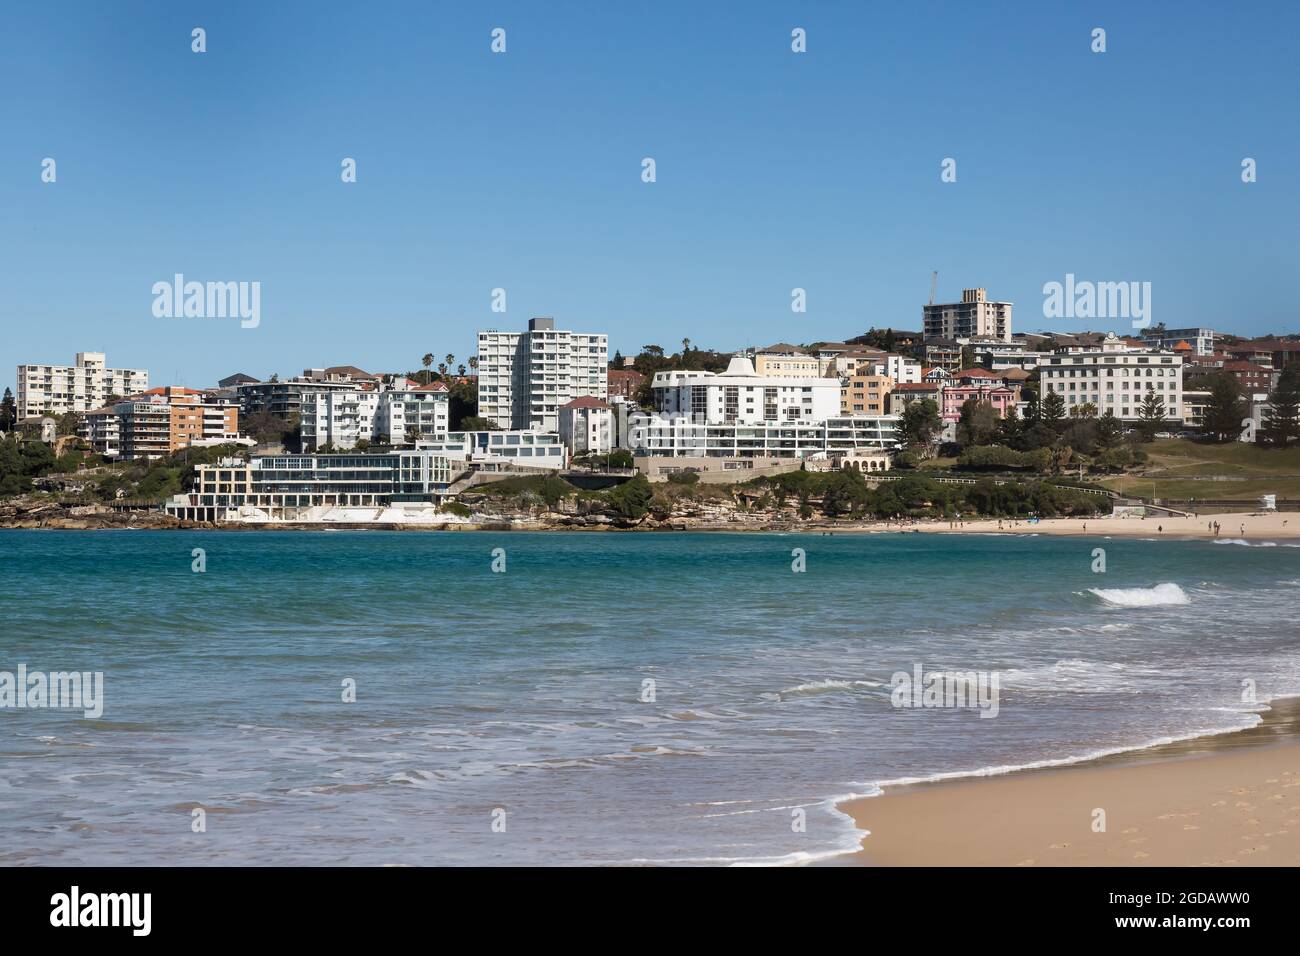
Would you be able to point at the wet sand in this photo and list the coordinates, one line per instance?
(1227, 800)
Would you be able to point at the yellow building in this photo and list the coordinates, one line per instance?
(786, 361)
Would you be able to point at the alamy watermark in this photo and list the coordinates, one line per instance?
(1098, 300)
(57, 690)
(208, 300)
(973, 689)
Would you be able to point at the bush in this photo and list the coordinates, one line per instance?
(1001, 457)
(631, 500)
(684, 478)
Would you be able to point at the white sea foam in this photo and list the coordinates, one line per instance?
(1242, 542)
(1004, 769)
(822, 686)
(1161, 594)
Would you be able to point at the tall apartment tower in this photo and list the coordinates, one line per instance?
(525, 377)
(57, 389)
(973, 317)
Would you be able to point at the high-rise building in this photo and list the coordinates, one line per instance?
(58, 389)
(525, 377)
(973, 317)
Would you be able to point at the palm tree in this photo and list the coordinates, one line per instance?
(442, 369)
(450, 360)
(427, 360)
(473, 362)
(460, 370)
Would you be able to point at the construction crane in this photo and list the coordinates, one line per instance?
(934, 284)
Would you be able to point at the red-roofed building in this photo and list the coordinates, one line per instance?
(586, 426)
(1251, 376)
(624, 383)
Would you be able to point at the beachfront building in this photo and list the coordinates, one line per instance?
(973, 317)
(341, 419)
(865, 460)
(1115, 378)
(160, 421)
(679, 434)
(866, 394)
(316, 487)
(742, 396)
(524, 377)
(586, 426)
(517, 449)
(87, 384)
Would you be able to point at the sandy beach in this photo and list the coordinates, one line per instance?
(1261, 526)
(1227, 800)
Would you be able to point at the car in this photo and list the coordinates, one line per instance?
(1164, 434)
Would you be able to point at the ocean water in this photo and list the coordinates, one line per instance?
(520, 697)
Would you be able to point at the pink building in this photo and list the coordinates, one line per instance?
(1001, 397)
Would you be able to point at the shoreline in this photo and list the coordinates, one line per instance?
(1222, 799)
(1256, 525)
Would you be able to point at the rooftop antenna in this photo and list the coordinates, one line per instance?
(934, 284)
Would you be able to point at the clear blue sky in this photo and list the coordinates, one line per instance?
(522, 171)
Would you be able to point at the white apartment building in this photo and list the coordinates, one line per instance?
(524, 377)
(340, 419)
(1115, 378)
(495, 451)
(586, 426)
(1202, 341)
(58, 389)
(742, 396)
(973, 317)
(901, 369)
(682, 435)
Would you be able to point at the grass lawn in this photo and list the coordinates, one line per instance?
(1182, 469)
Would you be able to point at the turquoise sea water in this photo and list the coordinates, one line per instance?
(522, 691)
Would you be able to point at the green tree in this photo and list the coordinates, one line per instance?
(1225, 408)
(921, 424)
(978, 422)
(1110, 430)
(8, 412)
(1282, 420)
(1052, 410)
(1151, 414)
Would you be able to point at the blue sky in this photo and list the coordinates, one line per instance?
(522, 171)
